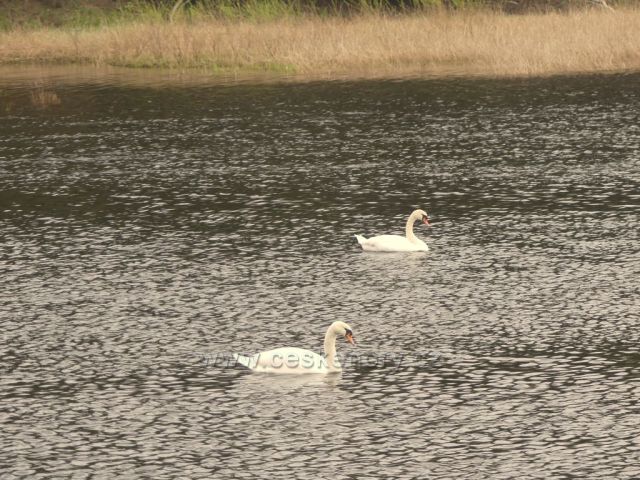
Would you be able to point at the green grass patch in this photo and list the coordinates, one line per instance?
(34, 14)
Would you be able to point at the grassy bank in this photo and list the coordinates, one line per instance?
(368, 43)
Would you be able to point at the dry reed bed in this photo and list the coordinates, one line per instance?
(473, 42)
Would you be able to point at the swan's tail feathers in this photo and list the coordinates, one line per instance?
(361, 239)
(245, 361)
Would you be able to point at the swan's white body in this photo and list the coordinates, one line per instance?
(397, 243)
(294, 360)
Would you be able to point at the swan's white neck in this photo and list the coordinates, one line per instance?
(409, 228)
(330, 346)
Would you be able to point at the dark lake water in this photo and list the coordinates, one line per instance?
(147, 231)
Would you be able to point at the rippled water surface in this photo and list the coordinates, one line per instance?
(149, 231)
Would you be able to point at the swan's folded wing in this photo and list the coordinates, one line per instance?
(284, 360)
(389, 243)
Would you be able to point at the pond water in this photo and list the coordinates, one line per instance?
(149, 230)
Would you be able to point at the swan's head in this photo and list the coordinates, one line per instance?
(422, 216)
(343, 330)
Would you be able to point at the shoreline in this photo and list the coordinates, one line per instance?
(38, 76)
(467, 43)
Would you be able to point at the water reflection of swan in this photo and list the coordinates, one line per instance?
(397, 243)
(285, 383)
(298, 360)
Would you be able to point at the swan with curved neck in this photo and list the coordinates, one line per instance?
(298, 360)
(398, 243)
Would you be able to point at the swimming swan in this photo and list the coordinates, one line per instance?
(298, 360)
(398, 243)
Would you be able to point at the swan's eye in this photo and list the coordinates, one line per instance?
(348, 335)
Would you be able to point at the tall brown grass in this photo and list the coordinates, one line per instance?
(482, 42)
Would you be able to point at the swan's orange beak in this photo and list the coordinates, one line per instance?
(425, 220)
(350, 339)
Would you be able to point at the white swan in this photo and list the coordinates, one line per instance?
(398, 243)
(298, 360)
